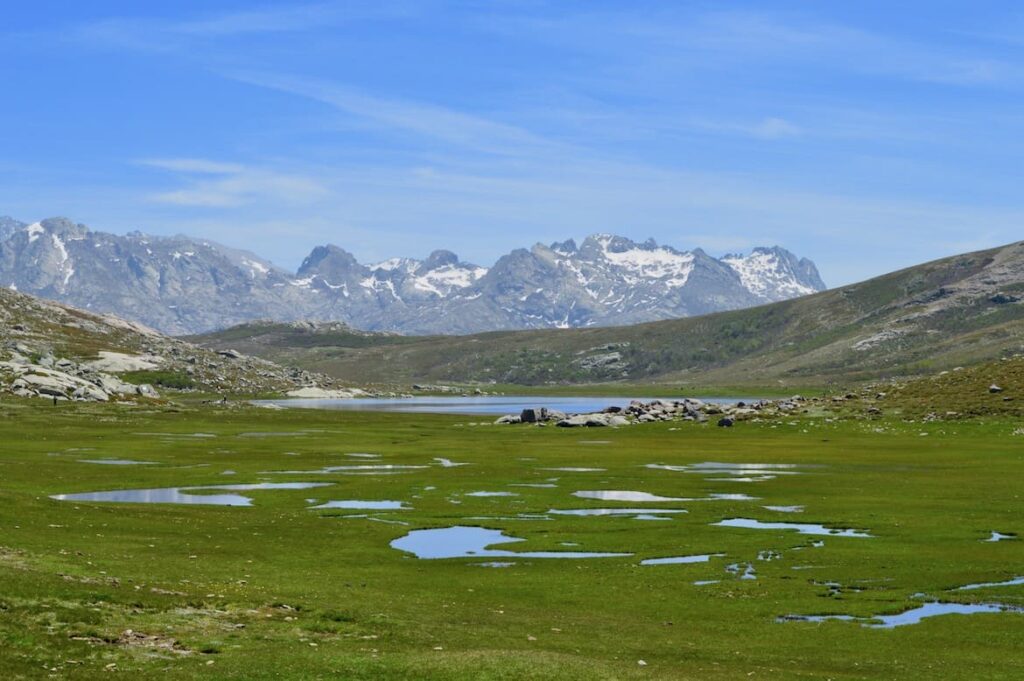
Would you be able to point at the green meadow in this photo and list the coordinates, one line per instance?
(280, 590)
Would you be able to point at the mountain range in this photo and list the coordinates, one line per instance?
(185, 285)
(940, 315)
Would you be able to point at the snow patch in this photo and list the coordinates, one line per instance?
(766, 276)
(650, 263)
(34, 230)
(255, 267)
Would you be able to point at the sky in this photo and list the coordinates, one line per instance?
(867, 136)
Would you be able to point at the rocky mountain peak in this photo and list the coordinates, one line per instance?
(438, 259)
(329, 260)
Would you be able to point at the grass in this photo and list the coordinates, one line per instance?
(280, 591)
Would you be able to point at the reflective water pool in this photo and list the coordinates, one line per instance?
(615, 511)
(677, 560)
(365, 505)
(785, 509)
(575, 469)
(186, 495)
(802, 528)
(118, 462)
(644, 497)
(986, 585)
(913, 616)
(472, 542)
(482, 405)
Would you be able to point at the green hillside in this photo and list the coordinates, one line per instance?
(960, 310)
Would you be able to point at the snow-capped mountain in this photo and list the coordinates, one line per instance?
(185, 285)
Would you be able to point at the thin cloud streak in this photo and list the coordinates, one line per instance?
(233, 184)
(438, 122)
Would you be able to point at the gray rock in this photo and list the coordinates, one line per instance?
(532, 415)
(725, 422)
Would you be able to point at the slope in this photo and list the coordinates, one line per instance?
(958, 310)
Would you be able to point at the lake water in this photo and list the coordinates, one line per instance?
(482, 405)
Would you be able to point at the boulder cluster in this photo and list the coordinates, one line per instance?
(64, 379)
(686, 409)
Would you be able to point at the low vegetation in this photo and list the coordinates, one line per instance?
(278, 590)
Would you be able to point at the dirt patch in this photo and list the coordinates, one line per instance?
(137, 640)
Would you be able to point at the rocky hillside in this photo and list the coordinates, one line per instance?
(182, 285)
(956, 311)
(55, 351)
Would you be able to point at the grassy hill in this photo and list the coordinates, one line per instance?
(961, 310)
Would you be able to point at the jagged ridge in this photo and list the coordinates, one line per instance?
(185, 285)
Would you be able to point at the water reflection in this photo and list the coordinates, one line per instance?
(186, 495)
(472, 542)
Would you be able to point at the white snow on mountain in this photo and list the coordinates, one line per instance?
(447, 278)
(764, 274)
(34, 230)
(650, 263)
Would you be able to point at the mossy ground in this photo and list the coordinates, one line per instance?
(280, 591)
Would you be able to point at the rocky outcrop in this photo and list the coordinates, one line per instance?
(71, 381)
(57, 352)
(686, 409)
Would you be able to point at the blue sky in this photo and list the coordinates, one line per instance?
(865, 135)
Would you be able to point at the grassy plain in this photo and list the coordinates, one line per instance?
(277, 590)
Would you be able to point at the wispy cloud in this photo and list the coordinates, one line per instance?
(221, 185)
(770, 128)
(166, 35)
(430, 120)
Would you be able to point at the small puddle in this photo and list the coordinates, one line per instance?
(742, 570)
(472, 542)
(365, 505)
(575, 469)
(913, 616)
(177, 435)
(360, 469)
(647, 516)
(644, 497)
(118, 462)
(802, 528)
(617, 495)
(186, 495)
(270, 433)
(677, 560)
(985, 585)
(491, 494)
(999, 536)
(734, 472)
(448, 463)
(539, 485)
(785, 509)
(615, 511)
(494, 564)
(363, 455)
